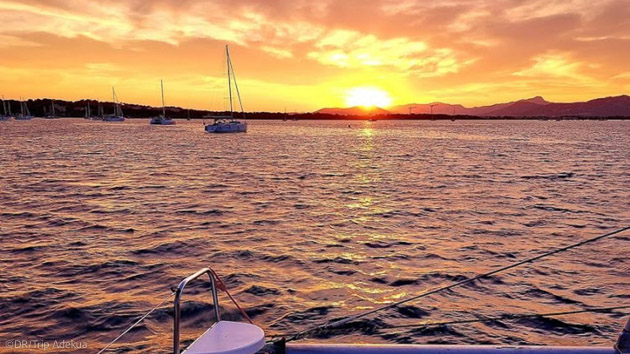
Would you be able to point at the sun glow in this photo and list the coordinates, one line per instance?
(367, 97)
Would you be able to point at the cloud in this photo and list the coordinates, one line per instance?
(352, 49)
(7, 41)
(552, 65)
(423, 47)
(277, 52)
(526, 10)
(121, 21)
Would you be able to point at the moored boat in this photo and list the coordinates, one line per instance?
(114, 118)
(162, 120)
(5, 116)
(117, 116)
(228, 124)
(88, 112)
(25, 114)
(51, 114)
(99, 113)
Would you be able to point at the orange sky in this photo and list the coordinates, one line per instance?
(305, 55)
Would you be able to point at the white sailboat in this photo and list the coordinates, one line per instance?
(25, 114)
(5, 116)
(227, 124)
(162, 120)
(118, 113)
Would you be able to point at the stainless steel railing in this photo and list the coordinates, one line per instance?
(178, 296)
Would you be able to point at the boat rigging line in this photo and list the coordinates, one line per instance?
(219, 284)
(338, 323)
(506, 317)
(137, 322)
(332, 325)
(503, 317)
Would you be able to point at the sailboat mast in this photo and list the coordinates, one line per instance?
(21, 106)
(163, 107)
(227, 55)
(114, 99)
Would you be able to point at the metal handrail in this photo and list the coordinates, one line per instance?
(178, 295)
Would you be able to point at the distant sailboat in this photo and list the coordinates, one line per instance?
(227, 124)
(52, 111)
(99, 113)
(162, 120)
(5, 116)
(25, 114)
(118, 113)
(88, 112)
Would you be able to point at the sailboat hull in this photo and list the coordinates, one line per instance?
(161, 121)
(227, 127)
(114, 119)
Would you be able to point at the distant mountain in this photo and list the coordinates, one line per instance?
(537, 100)
(353, 111)
(618, 106)
(438, 108)
(516, 109)
(509, 109)
(458, 109)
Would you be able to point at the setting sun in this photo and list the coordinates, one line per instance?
(367, 97)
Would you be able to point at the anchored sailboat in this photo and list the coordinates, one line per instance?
(52, 110)
(118, 113)
(227, 124)
(88, 112)
(25, 114)
(162, 120)
(5, 116)
(99, 113)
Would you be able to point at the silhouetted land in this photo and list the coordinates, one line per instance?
(42, 107)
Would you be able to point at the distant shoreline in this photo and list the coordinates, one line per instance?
(77, 109)
(421, 117)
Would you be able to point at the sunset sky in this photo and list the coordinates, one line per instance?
(303, 55)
